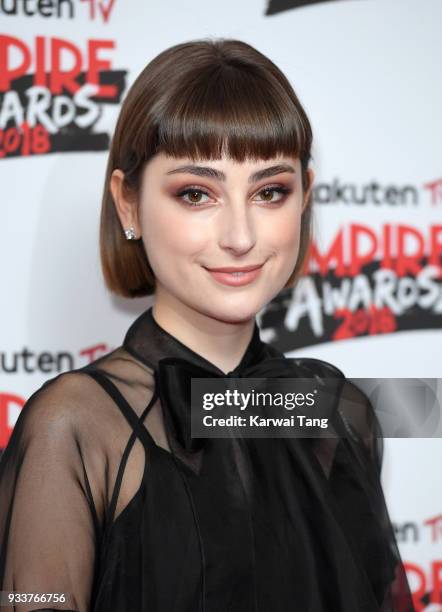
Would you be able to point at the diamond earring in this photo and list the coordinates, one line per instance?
(130, 234)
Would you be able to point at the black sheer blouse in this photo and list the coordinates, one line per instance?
(105, 499)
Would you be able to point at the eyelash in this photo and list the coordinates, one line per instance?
(284, 191)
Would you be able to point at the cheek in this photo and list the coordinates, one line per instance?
(283, 233)
(167, 234)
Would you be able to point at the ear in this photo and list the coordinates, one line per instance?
(126, 207)
(311, 178)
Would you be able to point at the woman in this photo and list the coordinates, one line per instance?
(106, 497)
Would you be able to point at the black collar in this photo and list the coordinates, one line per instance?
(148, 342)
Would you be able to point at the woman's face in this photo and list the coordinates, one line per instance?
(195, 217)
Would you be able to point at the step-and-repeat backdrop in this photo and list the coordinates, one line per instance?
(369, 75)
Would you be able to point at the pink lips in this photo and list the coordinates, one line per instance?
(236, 276)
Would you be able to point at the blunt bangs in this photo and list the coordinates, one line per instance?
(234, 112)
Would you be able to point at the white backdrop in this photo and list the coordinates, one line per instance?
(367, 72)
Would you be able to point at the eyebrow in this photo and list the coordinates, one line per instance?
(218, 174)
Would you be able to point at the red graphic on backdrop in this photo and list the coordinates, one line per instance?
(410, 531)
(58, 9)
(9, 402)
(46, 107)
(366, 281)
(435, 524)
(429, 584)
(390, 244)
(100, 7)
(94, 352)
(435, 189)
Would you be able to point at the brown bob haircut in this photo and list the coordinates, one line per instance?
(202, 99)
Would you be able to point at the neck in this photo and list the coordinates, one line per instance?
(223, 343)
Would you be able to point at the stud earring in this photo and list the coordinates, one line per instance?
(130, 234)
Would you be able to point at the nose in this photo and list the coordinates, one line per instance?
(237, 231)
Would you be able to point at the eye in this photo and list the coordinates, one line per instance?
(268, 192)
(195, 195)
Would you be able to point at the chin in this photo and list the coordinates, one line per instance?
(239, 311)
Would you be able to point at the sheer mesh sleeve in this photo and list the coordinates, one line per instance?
(49, 500)
(73, 465)
(356, 484)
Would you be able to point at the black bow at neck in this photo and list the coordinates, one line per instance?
(148, 342)
(175, 364)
